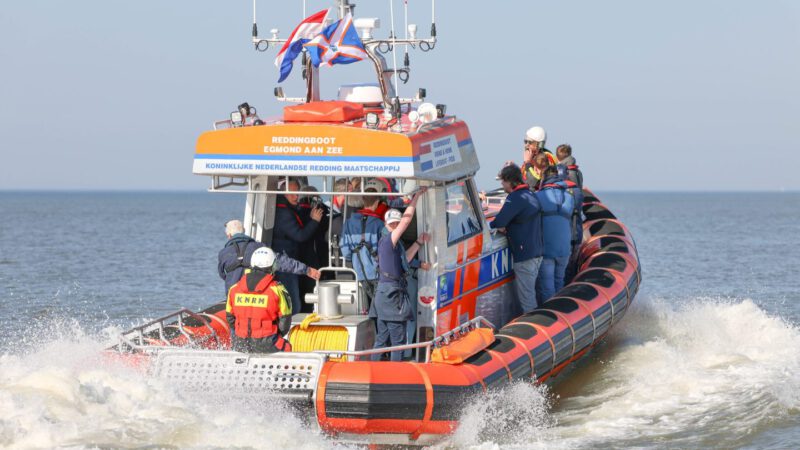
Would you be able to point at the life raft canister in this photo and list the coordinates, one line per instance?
(458, 351)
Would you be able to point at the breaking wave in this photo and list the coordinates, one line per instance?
(696, 372)
(66, 393)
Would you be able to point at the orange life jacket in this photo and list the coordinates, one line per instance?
(528, 171)
(257, 312)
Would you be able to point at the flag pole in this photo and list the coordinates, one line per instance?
(406, 61)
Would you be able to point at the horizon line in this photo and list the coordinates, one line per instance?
(205, 191)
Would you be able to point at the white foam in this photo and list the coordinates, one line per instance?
(693, 373)
(65, 394)
(516, 413)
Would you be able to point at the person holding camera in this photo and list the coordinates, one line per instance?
(314, 252)
(289, 233)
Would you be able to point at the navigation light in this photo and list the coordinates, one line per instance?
(412, 31)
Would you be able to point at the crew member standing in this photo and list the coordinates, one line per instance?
(557, 205)
(289, 233)
(535, 138)
(392, 307)
(573, 177)
(259, 310)
(234, 258)
(520, 219)
(569, 165)
(359, 245)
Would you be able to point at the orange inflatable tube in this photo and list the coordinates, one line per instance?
(415, 399)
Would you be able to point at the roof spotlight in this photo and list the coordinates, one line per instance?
(236, 119)
(372, 120)
(441, 110)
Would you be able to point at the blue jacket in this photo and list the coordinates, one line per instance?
(231, 268)
(521, 217)
(557, 208)
(289, 231)
(363, 257)
(577, 220)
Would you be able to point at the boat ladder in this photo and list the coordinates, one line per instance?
(290, 376)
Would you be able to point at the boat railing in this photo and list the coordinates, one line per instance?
(429, 346)
(141, 338)
(222, 124)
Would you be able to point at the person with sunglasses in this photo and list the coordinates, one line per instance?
(535, 138)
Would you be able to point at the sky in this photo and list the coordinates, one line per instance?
(653, 96)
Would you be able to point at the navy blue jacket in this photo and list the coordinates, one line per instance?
(557, 207)
(230, 268)
(521, 217)
(315, 251)
(289, 231)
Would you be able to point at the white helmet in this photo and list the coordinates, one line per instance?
(376, 184)
(536, 134)
(263, 258)
(409, 186)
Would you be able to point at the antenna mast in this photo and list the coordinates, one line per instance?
(389, 78)
(346, 7)
(255, 27)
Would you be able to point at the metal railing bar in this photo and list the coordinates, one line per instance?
(444, 339)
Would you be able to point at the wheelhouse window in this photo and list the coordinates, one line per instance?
(462, 219)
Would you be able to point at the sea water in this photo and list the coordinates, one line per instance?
(707, 357)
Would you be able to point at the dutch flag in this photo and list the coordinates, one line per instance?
(308, 28)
